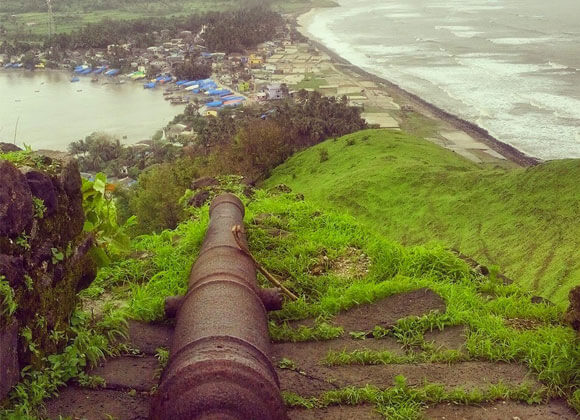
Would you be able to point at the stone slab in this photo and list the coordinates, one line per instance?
(128, 373)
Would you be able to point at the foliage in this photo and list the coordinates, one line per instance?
(7, 303)
(95, 151)
(413, 191)
(101, 219)
(256, 149)
(86, 346)
(193, 70)
(155, 200)
(405, 402)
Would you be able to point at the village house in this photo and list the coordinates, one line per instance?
(274, 91)
(255, 61)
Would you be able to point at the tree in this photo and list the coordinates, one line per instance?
(193, 70)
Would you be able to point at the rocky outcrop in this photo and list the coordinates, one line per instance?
(44, 256)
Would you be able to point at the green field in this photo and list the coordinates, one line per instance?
(526, 221)
(34, 24)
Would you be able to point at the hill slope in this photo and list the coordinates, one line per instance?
(524, 220)
(379, 330)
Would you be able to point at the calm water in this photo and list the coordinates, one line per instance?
(52, 112)
(510, 66)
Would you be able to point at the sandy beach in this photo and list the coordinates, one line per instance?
(387, 103)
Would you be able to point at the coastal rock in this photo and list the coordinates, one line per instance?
(16, 209)
(44, 256)
(12, 268)
(41, 187)
(9, 368)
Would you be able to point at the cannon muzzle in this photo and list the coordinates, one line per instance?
(219, 366)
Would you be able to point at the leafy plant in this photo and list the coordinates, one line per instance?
(101, 219)
(285, 363)
(9, 305)
(22, 241)
(57, 256)
(39, 207)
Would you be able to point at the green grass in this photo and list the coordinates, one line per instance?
(310, 81)
(136, 284)
(36, 23)
(412, 191)
(403, 402)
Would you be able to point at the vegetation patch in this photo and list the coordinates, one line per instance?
(405, 402)
(157, 265)
(415, 192)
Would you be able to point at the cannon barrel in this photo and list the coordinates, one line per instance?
(219, 366)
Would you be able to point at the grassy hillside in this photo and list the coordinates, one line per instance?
(524, 220)
(333, 263)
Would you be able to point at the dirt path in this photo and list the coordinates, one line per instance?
(302, 371)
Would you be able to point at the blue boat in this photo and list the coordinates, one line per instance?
(182, 82)
(7, 65)
(75, 79)
(112, 72)
(86, 71)
(150, 85)
(99, 70)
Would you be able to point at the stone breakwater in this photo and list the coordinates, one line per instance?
(44, 258)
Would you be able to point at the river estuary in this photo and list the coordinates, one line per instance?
(47, 111)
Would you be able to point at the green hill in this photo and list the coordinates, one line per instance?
(524, 220)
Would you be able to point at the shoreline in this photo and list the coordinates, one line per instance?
(421, 105)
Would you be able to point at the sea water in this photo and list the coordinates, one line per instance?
(46, 111)
(510, 66)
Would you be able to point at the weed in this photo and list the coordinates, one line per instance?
(285, 363)
(39, 207)
(8, 304)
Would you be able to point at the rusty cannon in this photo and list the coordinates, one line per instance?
(219, 366)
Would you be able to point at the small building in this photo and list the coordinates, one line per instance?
(274, 91)
(211, 113)
(243, 86)
(255, 61)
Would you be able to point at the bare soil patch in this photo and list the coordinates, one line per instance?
(128, 373)
(339, 412)
(386, 312)
(80, 403)
(503, 410)
(451, 338)
(468, 375)
(312, 353)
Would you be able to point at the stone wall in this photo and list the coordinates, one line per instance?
(44, 256)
